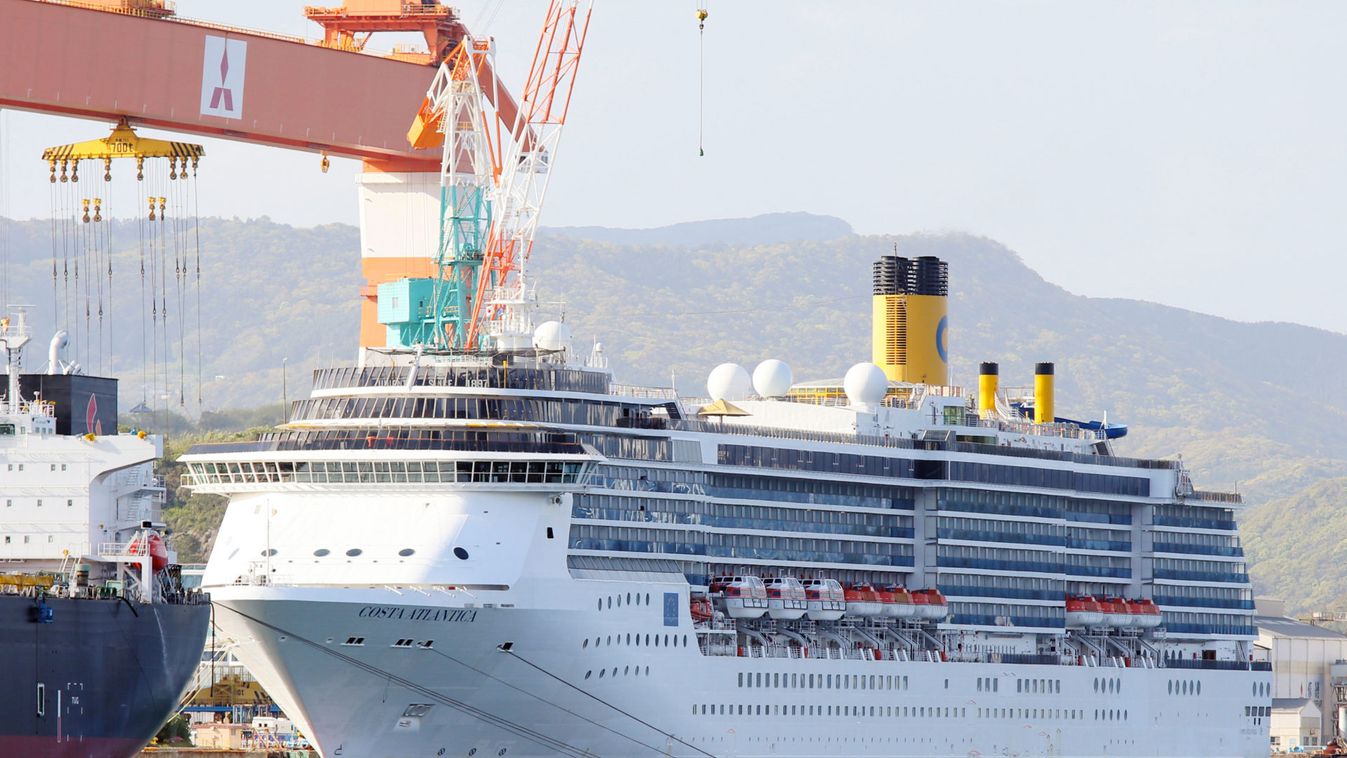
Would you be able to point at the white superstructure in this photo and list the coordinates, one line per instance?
(447, 556)
(77, 498)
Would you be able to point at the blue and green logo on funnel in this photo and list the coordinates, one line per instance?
(941, 346)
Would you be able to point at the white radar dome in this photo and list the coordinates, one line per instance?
(772, 378)
(865, 384)
(729, 381)
(552, 336)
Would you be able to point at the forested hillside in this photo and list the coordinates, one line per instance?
(1261, 406)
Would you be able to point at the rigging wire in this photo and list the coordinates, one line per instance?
(4, 210)
(541, 699)
(702, 13)
(596, 698)
(144, 329)
(519, 730)
(196, 231)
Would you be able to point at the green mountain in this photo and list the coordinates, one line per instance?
(1262, 406)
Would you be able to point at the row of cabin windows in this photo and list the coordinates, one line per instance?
(27, 540)
(903, 711)
(737, 516)
(9, 502)
(741, 546)
(578, 412)
(823, 681)
(379, 472)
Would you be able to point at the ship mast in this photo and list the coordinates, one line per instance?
(14, 334)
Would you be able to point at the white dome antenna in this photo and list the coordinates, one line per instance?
(729, 381)
(866, 385)
(552, 336)
(772, 378)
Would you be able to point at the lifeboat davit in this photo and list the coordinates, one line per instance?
(863, 601)
(825, 599)
(740, 597)
(1145, 613)
(1083, 611)
(157, 549)
(1116, 613)
(930, 604)
(702, 610)
(901, 607)
(785, 598)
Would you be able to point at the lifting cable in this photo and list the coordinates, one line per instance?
(702, 13)
(519, 730)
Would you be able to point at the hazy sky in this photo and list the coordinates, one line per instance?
(1187, 153)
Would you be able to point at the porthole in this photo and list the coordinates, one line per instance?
(588, 673)
(585, 644)
(353, 552)
(268, 552)
(320, 552)
(1199, 688)
(406, 551)
(460, 554)
(600, 603)
(628, 598)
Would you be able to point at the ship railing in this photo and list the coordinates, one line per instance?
(645, 393)
(1208, 496)
(133, 548)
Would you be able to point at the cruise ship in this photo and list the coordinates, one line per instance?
(511, 554)
(98, 637)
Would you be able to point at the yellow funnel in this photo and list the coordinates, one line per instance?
(909, 327)
(1043, 409)
(988, 377)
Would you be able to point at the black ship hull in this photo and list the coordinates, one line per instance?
(99, 679)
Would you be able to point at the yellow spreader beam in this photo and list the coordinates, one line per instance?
(122, 143)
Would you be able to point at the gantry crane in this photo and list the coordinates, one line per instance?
(135, 59)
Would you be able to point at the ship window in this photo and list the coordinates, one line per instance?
(461, 554)
(322, 551)
(353, 552)
(69, 503)
(268, 552)
(549, 533)
(405, 552)
(41, 699)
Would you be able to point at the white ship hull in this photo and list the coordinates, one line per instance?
(351, 700)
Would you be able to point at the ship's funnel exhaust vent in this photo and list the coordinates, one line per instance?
(1044, 373)
(988, 379)
(909, 335)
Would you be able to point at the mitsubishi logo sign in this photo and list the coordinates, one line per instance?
(222, 77)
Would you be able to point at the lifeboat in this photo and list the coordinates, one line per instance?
(901, 607)
(1082, 611)
(739, 597)
(863, 601)
(931, 605)
(154, 545)
(785, 598)
(825, 599)
(1145, 613)
(702, 610)
(1116, 613)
